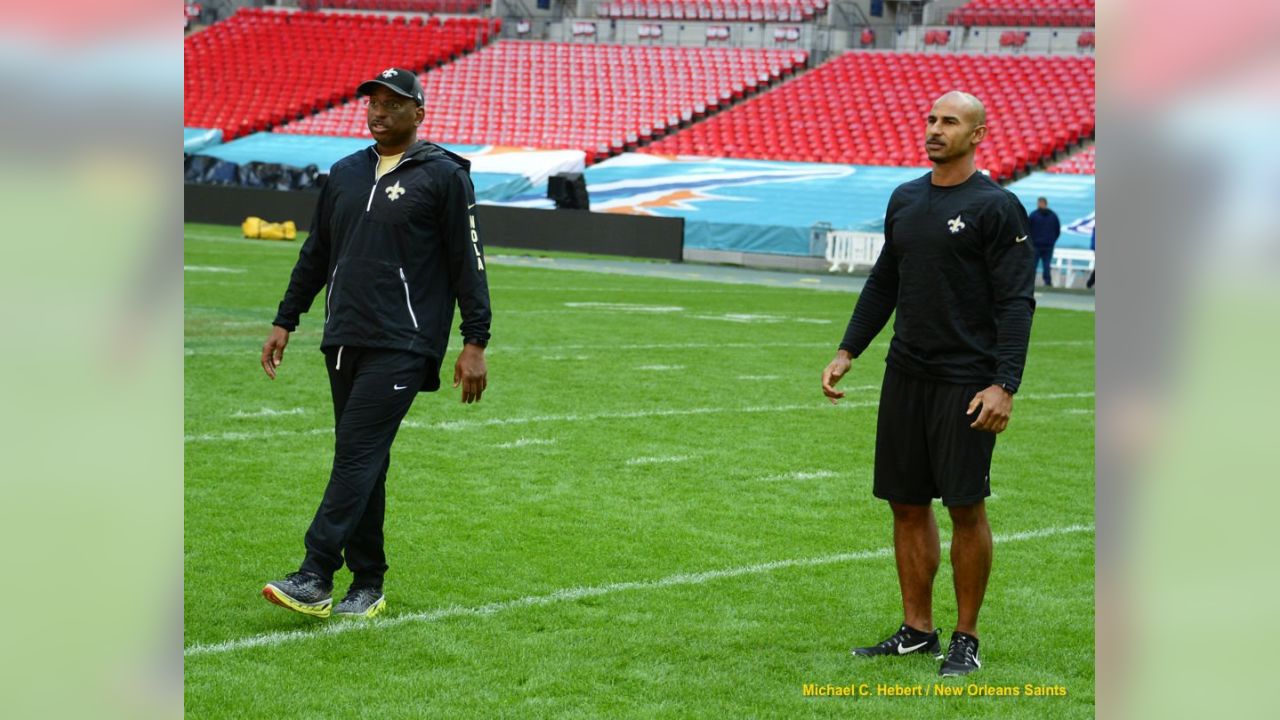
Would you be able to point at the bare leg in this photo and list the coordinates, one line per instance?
(916, 548)
(971, 552)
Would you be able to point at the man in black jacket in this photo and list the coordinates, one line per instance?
(1046, 228)
(394, 240)
(957, 267)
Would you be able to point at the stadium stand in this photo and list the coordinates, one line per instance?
(868, 108)
(937, 37)
(1081, 163)
(1038, 13)
(261, 68)
(1013, 38)
(601, 99)
(713, 10)
(421, 6)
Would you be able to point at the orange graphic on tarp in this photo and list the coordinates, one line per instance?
(675, 199)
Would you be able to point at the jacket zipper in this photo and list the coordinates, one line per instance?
(376, 180)
(407, 302)
(329, 296)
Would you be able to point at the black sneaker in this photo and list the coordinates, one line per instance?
(361, 602)
(301, 592)
(962, 656)
(906, 641)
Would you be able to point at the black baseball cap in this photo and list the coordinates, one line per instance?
(400, 81)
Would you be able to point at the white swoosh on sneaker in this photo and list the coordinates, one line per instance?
(903, 650)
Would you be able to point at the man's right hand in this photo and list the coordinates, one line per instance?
(836, 369)
(273, 350)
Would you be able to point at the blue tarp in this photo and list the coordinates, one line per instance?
(771, 207)
(324, 151)
(1071, 196)
(196, 139)
(741, 205)
(296, 150)
(738, 205)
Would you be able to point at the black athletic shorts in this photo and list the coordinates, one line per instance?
(924, 445)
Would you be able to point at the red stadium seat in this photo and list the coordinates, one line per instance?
(1081, 163)
(232, 69)
(597, 98)
(431, 6)
(869, 108)
(734, 10)
(937, 37)
(1039, 13)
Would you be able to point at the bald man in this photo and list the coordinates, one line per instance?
(957, 268)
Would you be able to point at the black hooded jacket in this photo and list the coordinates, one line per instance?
(396, 254)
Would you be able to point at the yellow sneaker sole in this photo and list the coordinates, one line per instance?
(275, 596)
(373, 610)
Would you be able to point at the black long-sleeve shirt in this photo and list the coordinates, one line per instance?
(957, 267)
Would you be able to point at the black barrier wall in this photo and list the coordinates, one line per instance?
(230, 205)
(579, 231)
(525, 228)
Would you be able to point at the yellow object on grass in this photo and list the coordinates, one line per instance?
(258, 229)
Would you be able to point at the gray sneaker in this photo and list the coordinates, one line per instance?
(361, 602)
(301, 592)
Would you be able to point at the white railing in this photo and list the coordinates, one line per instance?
(1068, 263)
(851, 249)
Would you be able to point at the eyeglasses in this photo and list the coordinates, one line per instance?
(391, 106)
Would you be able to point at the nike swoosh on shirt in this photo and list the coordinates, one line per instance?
(903, 649)
(1020, 239)
(399, 387)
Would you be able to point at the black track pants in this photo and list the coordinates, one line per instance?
(372, 392)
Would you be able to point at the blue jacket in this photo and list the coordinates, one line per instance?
(1045, 227)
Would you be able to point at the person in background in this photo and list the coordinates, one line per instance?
(1045, 229)
(1093, 245)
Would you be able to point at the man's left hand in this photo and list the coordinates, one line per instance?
(996, 404)
(471, 372)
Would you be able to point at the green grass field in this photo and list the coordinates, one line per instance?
(653, 513)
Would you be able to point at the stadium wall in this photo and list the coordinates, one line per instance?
(1054, 40)
(659, 238)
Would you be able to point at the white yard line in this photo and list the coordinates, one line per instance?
(527, 350)
(757, 319)
(212, 269)
(332, 628)
(267, 412)
(624, 307)
(800, 475)
(817, 406)
(658, 459)
(526, 442)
